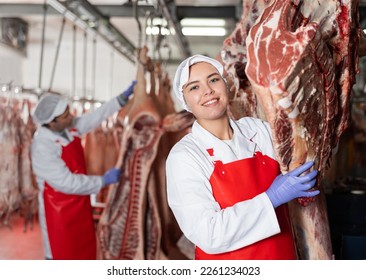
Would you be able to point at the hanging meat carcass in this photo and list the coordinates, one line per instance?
(130, 225)
(234, 57)
(27, 184)
(10, 198)
(95, 142)
(18, 191)
(301, 59)
(170, 231)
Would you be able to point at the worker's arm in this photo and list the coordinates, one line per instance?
(48, 166)
(91, 120)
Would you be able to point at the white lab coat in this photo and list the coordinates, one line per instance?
(48, 165)
(199, 216)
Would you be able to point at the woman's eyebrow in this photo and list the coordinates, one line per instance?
(209, 76)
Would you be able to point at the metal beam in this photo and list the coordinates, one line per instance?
(103, 14)
(126, 10)
(20, 9)
(110, 34)
(169, 13)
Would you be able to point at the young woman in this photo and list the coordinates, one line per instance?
(223, 182)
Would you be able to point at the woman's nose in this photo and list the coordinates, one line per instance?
(208, 90)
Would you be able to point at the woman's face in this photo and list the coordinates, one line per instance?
(205, 92)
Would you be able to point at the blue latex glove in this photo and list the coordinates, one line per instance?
(290, 186)
(111, 176)
(123, 97)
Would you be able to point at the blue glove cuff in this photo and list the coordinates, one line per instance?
(123, 97)
(122, 100)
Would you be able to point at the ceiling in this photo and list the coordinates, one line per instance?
(120, 16)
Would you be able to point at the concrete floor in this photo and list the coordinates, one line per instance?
(17, 244)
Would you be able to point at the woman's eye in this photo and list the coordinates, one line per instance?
(193, 88)
(213, 80)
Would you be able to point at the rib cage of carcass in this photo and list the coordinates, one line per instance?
(132, 223)
(294, 63)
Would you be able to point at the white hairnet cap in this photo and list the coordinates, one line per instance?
(182, 74)
(49, 107)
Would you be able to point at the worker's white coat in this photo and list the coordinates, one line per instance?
(200, 217)
(48, 165)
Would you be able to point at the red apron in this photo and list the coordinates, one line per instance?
(69, 217)
(254, 176)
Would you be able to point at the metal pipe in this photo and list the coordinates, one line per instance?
(84, 63)
(73, 61)
(94, 66)
(57, 52)
(42, 44)
(180, 39)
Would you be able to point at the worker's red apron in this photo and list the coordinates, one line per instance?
(69, 217)
(242, 180)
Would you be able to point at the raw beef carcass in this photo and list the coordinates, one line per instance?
(234, 56)
(301, 59)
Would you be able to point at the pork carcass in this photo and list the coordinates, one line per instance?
(300, 60)
(10, 198)
(130, 225)
(95, 142)
(27, 182)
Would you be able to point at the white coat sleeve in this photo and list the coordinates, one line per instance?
(48, 166)
(91, 120)
(200, 217)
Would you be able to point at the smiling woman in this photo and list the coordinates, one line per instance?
(223, 181)
(205, 94)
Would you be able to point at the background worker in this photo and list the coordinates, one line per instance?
(58, 162)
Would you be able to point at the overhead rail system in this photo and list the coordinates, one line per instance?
(96, 18)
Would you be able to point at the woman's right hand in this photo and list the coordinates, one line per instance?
(291, 185)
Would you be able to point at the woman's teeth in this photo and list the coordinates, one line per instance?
(210, 102)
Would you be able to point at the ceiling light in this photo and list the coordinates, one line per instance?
(156, 30)
(202, 22)
(204, 31)
(159, 21)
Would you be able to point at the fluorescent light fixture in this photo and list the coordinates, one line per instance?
(5, 88)
(87, 106)
(204, 31)
(159, 21)
(155, 30)
(202, 22)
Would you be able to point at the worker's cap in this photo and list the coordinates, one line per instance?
(49, 107)
(182, 74)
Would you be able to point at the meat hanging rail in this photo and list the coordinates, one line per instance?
(294, 63)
